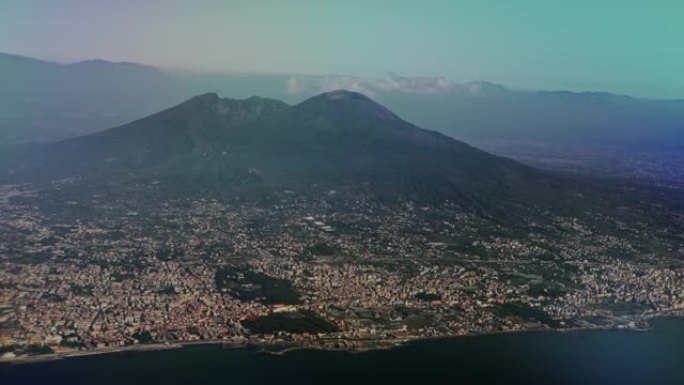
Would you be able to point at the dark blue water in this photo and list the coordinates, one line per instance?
(591, 357)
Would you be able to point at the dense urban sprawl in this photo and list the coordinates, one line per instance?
(103, 274)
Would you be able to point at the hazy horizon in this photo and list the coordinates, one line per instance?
(626, 47)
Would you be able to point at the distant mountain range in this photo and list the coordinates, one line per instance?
(560, 117)
(45, 101)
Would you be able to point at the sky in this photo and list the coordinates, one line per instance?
(632, 47)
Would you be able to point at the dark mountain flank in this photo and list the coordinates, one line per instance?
(338, 141)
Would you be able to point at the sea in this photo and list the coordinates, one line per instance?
(651, 357)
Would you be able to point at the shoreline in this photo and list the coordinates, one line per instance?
(398, 342)
(115, 350)
(289, 347)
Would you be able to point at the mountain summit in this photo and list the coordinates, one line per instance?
(346, 103)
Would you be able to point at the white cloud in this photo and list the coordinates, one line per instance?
(373, 86)
(346, 83)
(292, 86)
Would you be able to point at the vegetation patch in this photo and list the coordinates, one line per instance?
(247, 285)
(428, 297)
(291, 322)
(525, 312)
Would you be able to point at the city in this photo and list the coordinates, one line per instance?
(305, 272)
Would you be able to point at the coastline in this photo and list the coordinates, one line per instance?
(288, 347)
(115, 350)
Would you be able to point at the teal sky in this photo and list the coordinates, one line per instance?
(627, 46)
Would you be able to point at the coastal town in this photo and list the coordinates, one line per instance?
(101, 274)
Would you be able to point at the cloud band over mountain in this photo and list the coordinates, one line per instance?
(372, 86)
